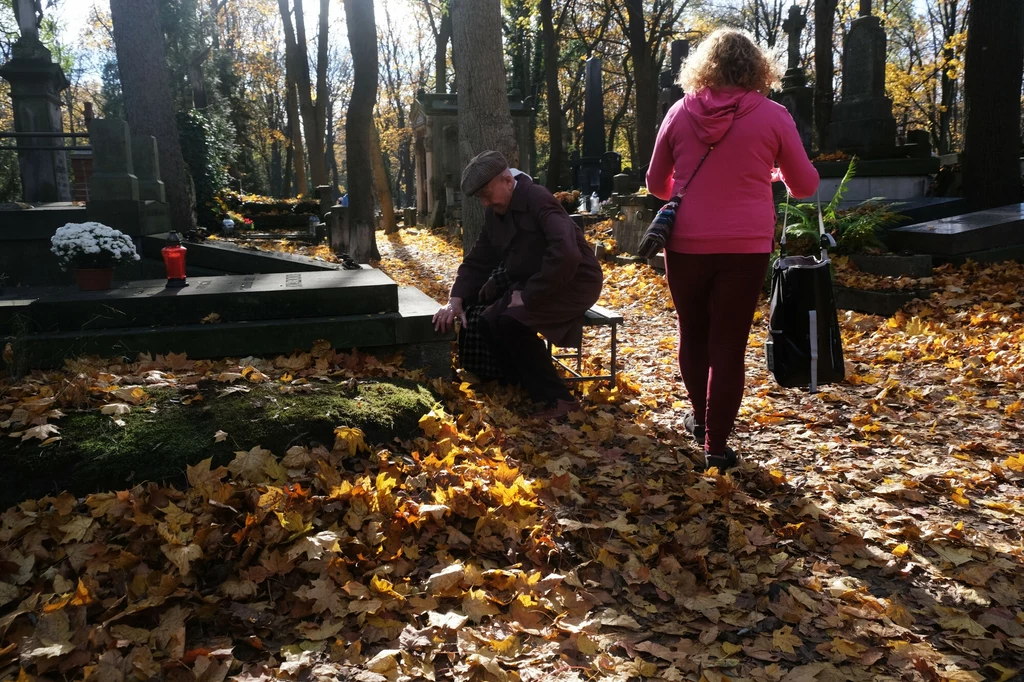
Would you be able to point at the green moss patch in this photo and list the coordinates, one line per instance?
(162, 437)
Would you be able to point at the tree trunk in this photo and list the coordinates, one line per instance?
(405, 154)
(383, 187)
(295, 130)
(645, 83)
(621, 113)
(362, 38)
(484, 118)
(554, 101)
(824, 68)
(994, 64)
(444, 34)
(147, 96)
(313, 114)
(331, 159)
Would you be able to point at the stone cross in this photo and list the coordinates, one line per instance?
(865, 8)
(26, 11)
(793, 26)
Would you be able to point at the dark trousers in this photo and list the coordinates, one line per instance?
(525, 360)
(715, 296)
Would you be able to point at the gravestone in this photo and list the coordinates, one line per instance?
(115, 198)
(259, 315)
(587, 169)
(36, 84)
(113, 166)
(983, 236)
(862, 121)
(438, 164)
(796, 96)
(670, 92)
(146, 164)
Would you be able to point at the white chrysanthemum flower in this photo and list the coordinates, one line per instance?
(91, 245)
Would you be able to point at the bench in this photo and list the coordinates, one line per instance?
(595, 317)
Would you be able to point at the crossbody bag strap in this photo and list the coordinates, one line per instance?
(682, 192)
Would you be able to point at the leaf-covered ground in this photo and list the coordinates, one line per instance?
(873, 531)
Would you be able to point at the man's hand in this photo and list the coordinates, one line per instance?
(444, 319)
(517, 300)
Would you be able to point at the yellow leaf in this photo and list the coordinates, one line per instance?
(476, 605)
(384, 587)
(729, 648)
(351, 440)
(1005, 673)
(960, 499)
(506, 647)
(293, 522)
(784, 640)
(847, 648)
(182, 556)
(900, 550)
(992, 404)
(1015, 463)
(586, 645)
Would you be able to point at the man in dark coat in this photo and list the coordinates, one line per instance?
(555, 278)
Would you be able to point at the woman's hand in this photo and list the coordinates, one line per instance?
(517, 300)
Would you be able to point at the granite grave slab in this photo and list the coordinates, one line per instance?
(997, 228)
(238, 298)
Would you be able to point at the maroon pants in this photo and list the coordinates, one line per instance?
(715, 297)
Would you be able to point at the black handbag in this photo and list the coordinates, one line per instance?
(804, 348)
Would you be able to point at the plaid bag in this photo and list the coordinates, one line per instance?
(475, 354)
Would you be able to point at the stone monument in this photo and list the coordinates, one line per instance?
(594, 169)
(862, 121)
(125, 189)
(670, 92)
(796, 96)
(36, 83)
(434, 120)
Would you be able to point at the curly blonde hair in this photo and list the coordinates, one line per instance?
(729, 58)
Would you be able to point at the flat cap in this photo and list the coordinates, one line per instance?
(480, 170)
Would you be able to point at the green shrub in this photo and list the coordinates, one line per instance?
(206, 144)
(856, 230)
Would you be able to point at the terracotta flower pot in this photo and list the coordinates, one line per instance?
(94, 279)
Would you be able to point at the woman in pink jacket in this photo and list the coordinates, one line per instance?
(717, 253)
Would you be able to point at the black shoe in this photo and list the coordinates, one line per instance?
(692, 427)
(726, 460)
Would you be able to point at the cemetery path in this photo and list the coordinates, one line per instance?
(873, 531)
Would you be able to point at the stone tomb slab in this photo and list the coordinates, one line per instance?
(228, 258)
(234, 298)
(408, 330)
(995, 228)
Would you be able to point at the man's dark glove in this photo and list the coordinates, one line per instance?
(658, 232)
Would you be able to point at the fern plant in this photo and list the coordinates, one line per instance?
(856, 230)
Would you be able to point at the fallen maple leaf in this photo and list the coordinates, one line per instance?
(41, 432)
(784, 640)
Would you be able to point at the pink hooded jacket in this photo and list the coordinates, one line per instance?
(728, 207)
